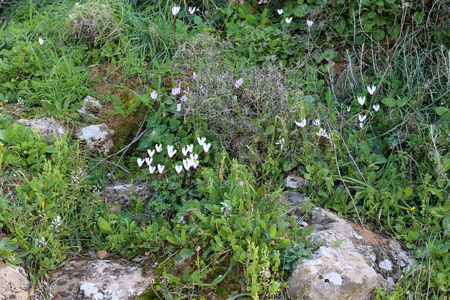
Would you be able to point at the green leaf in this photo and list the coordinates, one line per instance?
(174, 123)
(184, 253)
(104, 225)
(289, 164)
(283, 244)
(172, 239)
(408, 192)
(262, 224)
(272, 231)
(270, 130)
(446, 224)
(439, 110)
(198, 20)
(389, 102)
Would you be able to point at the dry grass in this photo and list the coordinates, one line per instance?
(233, 116)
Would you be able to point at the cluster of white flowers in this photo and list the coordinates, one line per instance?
(289, 19)
(362, 101)
(42, 242)
(56, 222)
(188, 162)
(322, 132)
(176, 10)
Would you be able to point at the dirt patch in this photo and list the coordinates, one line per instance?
(369, 235)
(110, 82)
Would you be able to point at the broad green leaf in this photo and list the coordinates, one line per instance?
(446, 224)
(104, 225)
(389, 102)
(270, 130)
(198, 20)
(184, 253)
(439, 110)
(408, 192)
(272, 231)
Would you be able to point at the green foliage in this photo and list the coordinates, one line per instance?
(227, 226)
(49, 212)
(7, 247)
(22, 148)
(391, 170)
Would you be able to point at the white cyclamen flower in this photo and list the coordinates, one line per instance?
(316, 122)
(238, 83)
(185, 151)
(154, 95)
(280, 11)
(288, 20)
(361, 100)
(201, 141)
(170, 151)
(140, 162)
(158, 148)
(348, 109)
(191, 10)
(376, 107)
(281, 143)
(193, 156)
(361, 120)
(322, 132)
(160, 168)
(206, 147)
(152, 169)
(190, 148)
(175, 10)
(150, 153)
(309, 23)
(183, 98)
(371, 89)
(178, 168)
(301, 124)
(194, 163)
(194, 76)
(41, 41)
(178, 107)
(148, 160)
(186, 164)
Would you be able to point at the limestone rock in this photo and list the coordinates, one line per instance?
(98, 138)
(99, 279)
(14, 283)
(120, 193)
(90, 108)
(351, 262)
(295, 182)
(47, 128)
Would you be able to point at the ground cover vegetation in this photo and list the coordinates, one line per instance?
(353, 96)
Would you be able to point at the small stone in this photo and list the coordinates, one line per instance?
(98, 138)
(103, 254)
(295, 182)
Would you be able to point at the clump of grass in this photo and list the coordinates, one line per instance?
(94, 23)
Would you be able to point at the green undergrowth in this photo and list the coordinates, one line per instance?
(352, 98)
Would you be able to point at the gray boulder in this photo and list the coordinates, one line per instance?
(47, 128)
(14, 283)
(98, 138)
(99, 279)
(351, 262)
